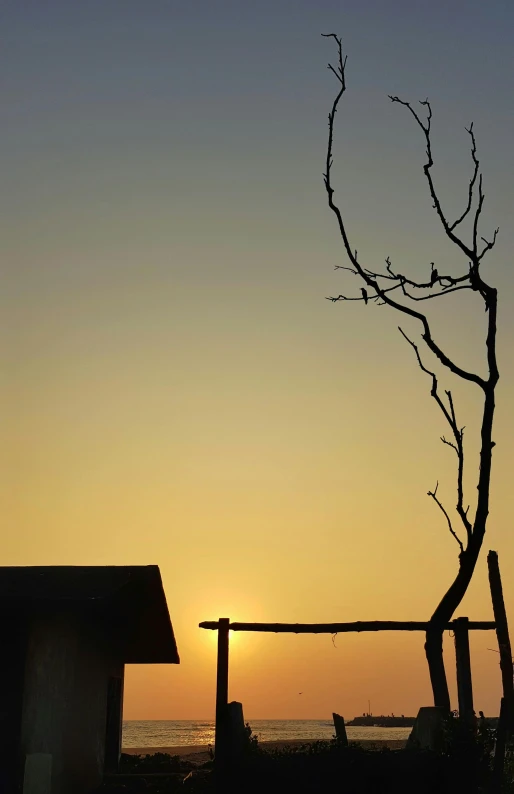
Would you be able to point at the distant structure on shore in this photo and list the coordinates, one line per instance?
(67, 634)
(383, 721)
(393, 721)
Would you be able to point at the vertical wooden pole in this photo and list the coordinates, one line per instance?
(340, 729)
(221, 740)
(502, 627)
(464, 681)
(505, 721)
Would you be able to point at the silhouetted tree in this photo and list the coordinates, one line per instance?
(403, 294)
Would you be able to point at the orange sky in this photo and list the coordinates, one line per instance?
(176, 387)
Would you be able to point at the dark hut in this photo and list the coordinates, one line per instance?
(67, 634)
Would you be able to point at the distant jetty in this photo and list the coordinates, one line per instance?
(391, 721)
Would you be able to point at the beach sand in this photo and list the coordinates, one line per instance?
(199, 753)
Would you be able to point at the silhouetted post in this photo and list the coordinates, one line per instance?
(464, 682)
(221, 739)
(340, 729)
(502, 627)
(238, 734)
(505, 721)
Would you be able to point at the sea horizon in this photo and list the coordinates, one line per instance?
(187, 733)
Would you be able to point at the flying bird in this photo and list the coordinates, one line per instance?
(364, 295)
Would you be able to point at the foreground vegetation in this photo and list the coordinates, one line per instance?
(324, 767)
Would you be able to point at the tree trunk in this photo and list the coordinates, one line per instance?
(434, 654)
(443, 615)
(468, 558)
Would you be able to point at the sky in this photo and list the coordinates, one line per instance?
(175, 388)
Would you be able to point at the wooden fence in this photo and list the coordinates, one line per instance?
(460, 626)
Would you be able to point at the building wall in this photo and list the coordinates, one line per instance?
(64, 708)
(11, 691)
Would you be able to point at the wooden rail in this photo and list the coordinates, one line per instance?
(339, 628)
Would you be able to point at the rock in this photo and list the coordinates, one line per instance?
(428, 730)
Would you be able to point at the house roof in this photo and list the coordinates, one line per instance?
(128, 601)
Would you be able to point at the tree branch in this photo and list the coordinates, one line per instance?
(365, 297)
(433, 494)
(434, 294)
(369, 280)
(472, 253)
(458, 434)
(488, 245)
(447, 283)
(426, 169)
(472, 180)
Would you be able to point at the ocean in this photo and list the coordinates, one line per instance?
(184, 733)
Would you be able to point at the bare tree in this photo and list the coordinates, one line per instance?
(404, 295)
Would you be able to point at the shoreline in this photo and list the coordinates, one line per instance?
(199, 753)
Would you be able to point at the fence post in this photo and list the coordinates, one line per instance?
(221, 739)
(502, 627)
(464, 681)
(340, 729)
(505, 721)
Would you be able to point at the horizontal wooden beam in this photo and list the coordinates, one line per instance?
(339, 628)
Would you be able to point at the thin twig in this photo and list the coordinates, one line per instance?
(472, 180)
(433, 494)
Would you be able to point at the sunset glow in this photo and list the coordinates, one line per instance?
(178, 389)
